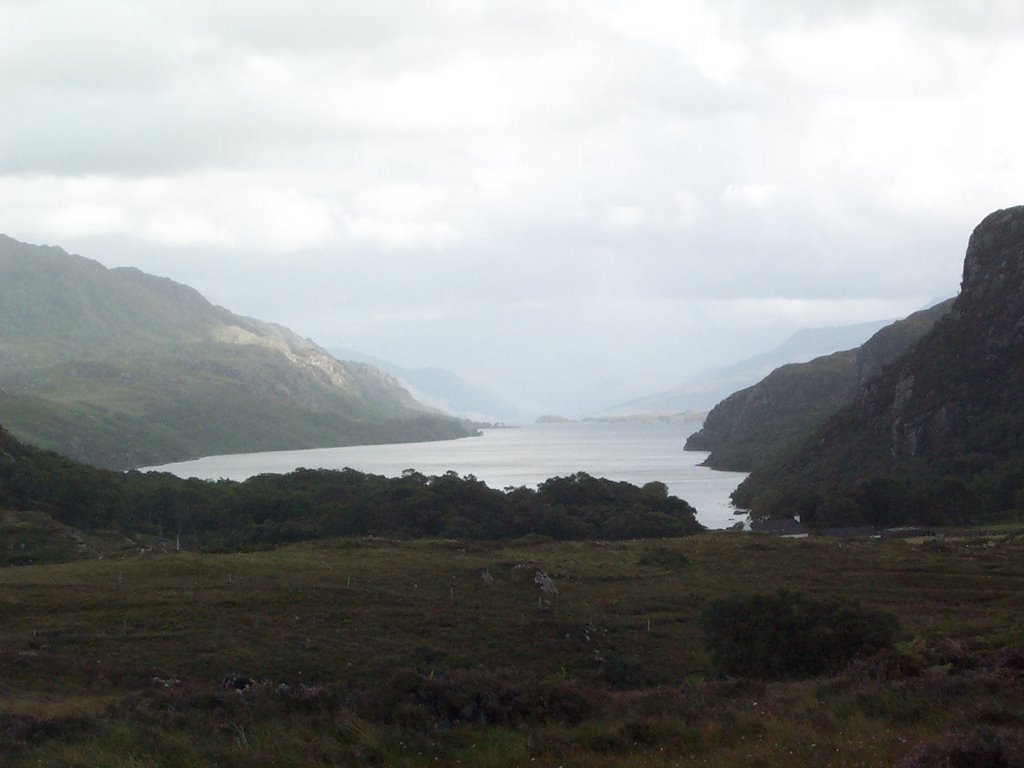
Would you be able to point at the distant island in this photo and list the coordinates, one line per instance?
(687, 417)
(633, 418)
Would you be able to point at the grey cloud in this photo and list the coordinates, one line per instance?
(1001, 17)
(64, 45)
(385, 33)
(536, 194)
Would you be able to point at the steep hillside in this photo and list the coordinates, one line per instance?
(704, 390)
(939, 435)
(761, 422)
(118, 368)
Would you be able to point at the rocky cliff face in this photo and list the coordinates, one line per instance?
(761, 422)
(948, 415)
(968, 370)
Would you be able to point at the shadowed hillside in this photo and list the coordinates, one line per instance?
(939, 435)
(761, 422)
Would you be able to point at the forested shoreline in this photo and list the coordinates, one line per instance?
(307, 504)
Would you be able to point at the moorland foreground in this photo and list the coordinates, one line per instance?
(365, 651)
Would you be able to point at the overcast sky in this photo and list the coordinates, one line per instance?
(572, 202)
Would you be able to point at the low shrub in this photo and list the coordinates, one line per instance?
(473, 697)
(669, 559)
(18, 731)
(1001, 749)
(624, 672)
(790, 635)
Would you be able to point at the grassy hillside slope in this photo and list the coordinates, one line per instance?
(119, 368)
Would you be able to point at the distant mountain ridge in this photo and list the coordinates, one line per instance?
(446, 390)
(936, 437)
(760, 422)
(118, 368)
(703, 390)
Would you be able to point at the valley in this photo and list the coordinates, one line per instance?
(511, 385)
(358, 619)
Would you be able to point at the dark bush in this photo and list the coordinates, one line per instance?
(976, 750)
(18, 731)
(669, 559)
(472, 697)
(790, 635)
(625, 673)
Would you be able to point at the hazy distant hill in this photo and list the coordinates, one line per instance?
(702, 391)
(759, 423)
(938, 436)
(447, 391)
(118, 368)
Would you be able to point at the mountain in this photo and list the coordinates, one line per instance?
(702, 391)
(446, 391)
(760, 422)
(936, 437)
(118, 368)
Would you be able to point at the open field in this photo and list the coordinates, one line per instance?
(439, 652)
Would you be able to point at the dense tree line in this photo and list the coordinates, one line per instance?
(307, 504)
(968, 488)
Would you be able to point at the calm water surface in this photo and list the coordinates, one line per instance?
(637, 453)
